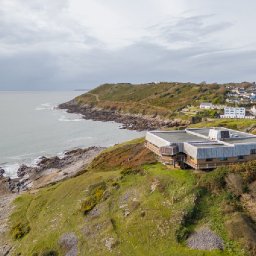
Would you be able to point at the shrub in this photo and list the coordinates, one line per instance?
(49, 253)
(215, 180)
(96, 192)
(20, 230)
(246, 170)
(132, 172)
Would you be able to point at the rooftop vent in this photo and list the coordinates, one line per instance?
(218, 134)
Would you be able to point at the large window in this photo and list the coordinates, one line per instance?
(223, 159)
(253, 151)
(240, 157)
(208, 159)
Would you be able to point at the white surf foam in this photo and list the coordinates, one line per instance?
(64, 118)
(11, 170)
(45, 106)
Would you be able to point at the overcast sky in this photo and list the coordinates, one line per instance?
(70, 44)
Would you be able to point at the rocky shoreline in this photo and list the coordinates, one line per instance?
(48, 170)
(128, 121)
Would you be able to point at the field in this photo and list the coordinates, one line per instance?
(165, 100)
(125, 203)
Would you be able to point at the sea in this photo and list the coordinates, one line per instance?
(32, 126)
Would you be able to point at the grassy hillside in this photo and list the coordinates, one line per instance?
(126, 203)
(161, 99)
(246, 125)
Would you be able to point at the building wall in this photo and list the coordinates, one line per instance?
(230, 112)
(215, 162)
(153, 139)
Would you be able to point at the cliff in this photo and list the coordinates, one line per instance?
(126, 203)
(144, 106)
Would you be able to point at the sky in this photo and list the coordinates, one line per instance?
(79, 44)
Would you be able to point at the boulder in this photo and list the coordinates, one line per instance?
(2, 171)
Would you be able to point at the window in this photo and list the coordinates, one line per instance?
(240, 157)
(208, 159)
(223, 159)
(253, 151)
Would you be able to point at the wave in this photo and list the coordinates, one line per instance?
(11, 170)
(69, 119)
(45, 106)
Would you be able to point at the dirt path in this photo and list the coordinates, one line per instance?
(5, 211)
(95, 95)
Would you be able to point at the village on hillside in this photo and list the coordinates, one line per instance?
(240, 103)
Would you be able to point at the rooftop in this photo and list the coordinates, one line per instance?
(199, 137)
(178, 136)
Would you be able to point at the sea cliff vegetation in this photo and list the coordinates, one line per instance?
(127, 203)
(153, 105)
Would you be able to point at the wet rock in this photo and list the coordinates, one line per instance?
(2, 171)
(23, 170)
(128, 121)
(53, 162)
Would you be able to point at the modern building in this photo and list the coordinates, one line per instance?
(206, 105)
(231, 112)
(205, 148)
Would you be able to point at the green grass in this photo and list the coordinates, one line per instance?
(153, 221)
(237, 124)
(163, 99)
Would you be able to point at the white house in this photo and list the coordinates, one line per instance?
(206, 105)
(231, 112)
(253, 110)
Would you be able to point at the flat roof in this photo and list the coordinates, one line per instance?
(198, 137)
(208, 145)
(241, 140)
(178, 136)
(205, 132)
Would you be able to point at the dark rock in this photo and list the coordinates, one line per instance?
(52, 162)
(22, 170)
(128, 121)
(2, 171)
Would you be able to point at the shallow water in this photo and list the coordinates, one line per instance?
(31, 126)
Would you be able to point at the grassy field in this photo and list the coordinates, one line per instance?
(248, 125)
(142, 207)
(165, 100)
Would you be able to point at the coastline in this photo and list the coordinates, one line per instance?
(128, 121)
(48, 170)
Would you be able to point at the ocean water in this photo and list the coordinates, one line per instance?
(31, 126)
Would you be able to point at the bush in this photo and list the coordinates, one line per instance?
(246, 170)
(215, 180)
(132, 172)
(96, 192)
(20, 230)
(50, 253)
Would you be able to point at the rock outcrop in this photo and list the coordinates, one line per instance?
(48, 170)
(128, 121)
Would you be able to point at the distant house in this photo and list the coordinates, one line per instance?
(206, 105)
(253, 110)
(231, 112)
(253, 96)
(240, 90)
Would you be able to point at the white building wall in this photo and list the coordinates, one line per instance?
(230, 112)
(159, 142)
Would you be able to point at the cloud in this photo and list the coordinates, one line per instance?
(68, 44)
